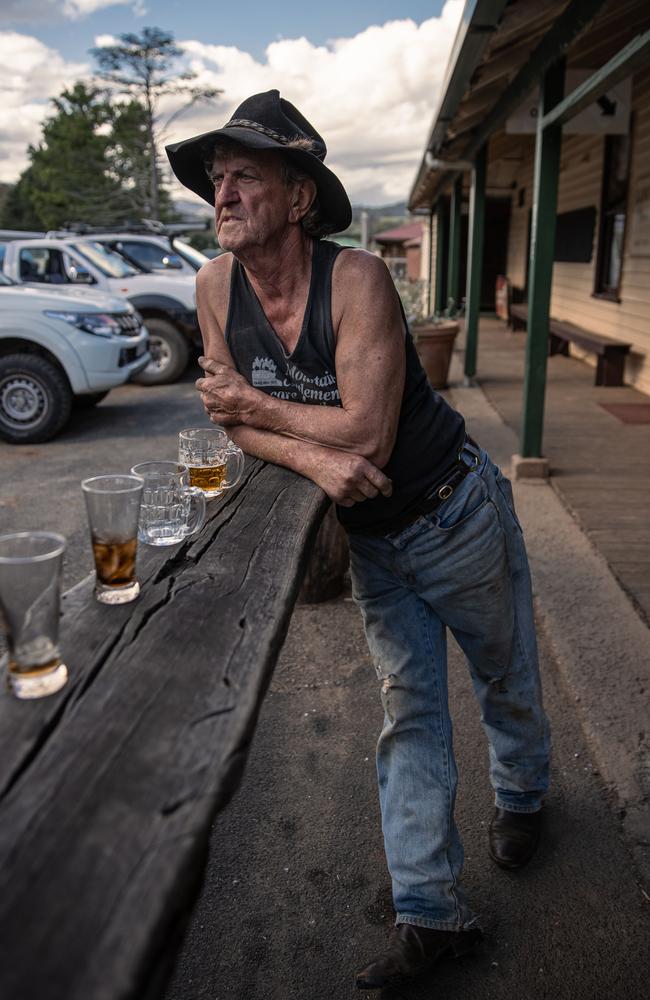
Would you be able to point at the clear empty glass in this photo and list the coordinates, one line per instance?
(30, 597)
(113, 506)
(214, 462)
(171, 508)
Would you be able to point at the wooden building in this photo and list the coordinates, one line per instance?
(401, 248)
(537, 167)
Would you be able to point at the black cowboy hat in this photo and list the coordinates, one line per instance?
(266, 121)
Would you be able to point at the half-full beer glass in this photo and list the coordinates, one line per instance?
(30, 593)
(113, 507)
(214, 462)
(171, 508)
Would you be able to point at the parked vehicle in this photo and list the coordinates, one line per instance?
(167, 305)
(155, 253)
(153, 246)
(57, 348)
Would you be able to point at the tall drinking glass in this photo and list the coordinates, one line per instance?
(113, 507)
(30, 597)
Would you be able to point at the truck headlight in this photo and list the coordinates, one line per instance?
(101, 324)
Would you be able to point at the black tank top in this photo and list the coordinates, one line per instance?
(429, 434)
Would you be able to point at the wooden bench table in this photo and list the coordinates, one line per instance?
(109, 788)
(611, 354)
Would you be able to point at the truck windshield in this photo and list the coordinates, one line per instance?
(193, 257)
(109, 263)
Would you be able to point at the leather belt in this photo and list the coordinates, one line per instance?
(438, 494)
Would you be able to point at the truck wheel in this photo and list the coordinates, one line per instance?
(35, 399)
(169, 353)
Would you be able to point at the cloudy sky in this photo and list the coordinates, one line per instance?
(366, 74)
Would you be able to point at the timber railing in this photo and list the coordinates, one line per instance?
(109, 788)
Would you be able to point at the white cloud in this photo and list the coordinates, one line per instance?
(103, 41)
(30, 73)
(371, 96)
(81, 8)
(32, 11)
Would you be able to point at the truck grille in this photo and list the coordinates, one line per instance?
(130, 323)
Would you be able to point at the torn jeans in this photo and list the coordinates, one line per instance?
(465, 568)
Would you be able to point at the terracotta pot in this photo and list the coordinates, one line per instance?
(435, 344)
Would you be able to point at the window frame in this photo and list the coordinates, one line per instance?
(608, 211)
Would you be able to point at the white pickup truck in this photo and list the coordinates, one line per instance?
(57, 348)
(166, 304)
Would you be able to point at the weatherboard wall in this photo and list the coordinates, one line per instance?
(580, 186)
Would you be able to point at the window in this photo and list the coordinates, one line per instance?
(612, 216)
(107, 262)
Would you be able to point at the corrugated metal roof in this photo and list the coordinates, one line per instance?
(400, 234)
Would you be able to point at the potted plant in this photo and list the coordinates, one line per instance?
(434, 341)
(434, 335)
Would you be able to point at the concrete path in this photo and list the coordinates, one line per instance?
(296, 895)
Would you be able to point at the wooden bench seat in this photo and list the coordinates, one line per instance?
(611, 354)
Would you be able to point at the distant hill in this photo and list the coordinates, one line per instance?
(380, 217)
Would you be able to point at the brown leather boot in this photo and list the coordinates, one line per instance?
(412, 950)
(513, 837)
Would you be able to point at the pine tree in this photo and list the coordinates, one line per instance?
(143, 67)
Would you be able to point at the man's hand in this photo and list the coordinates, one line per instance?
(348, 479)
(227, 396)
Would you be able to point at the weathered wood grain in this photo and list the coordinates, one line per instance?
(108, 789)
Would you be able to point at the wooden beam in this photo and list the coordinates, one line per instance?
(475, 260)
(573, 20)
(453, 277)
(542, 245)
(442, 251)
(630, 58)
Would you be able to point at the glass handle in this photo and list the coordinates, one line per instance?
(236, 458)
(196, 519)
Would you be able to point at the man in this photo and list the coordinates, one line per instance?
(309, 364)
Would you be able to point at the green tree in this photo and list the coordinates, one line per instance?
(67, 179)
(128, 159)
(18, 211)
(144, 67)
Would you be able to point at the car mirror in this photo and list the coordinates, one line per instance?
(172, 261)
(80, 276)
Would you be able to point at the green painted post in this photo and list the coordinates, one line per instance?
(453, 275)
(475, 259)
(441, 256)
(430, 264)
(542, 245)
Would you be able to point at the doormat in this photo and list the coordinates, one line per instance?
(629, 413)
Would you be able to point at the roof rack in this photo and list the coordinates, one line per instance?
(152, 226)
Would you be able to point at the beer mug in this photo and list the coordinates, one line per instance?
(171, 509)
(214, 462)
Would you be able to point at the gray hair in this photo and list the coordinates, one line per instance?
(312, 222)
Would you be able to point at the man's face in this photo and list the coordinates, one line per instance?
(252, 202)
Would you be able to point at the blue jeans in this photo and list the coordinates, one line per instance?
(463, 567)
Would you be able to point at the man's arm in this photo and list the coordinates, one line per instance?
(346, 478)
(369, 363)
